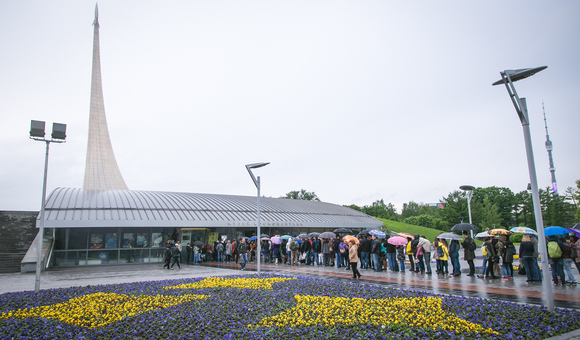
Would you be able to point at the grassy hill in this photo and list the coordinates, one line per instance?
(401, 227)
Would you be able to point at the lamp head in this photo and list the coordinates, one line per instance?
(256, 165)
(520, 74)
(467, 187)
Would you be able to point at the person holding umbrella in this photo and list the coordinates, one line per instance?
(353, 259)
(469, 247)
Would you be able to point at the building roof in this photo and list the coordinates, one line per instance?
(73, 207)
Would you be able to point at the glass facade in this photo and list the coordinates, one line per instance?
(118, 246)
(110, 246)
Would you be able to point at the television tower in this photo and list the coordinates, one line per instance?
(549, 148)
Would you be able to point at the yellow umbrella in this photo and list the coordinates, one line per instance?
(500, 232)
(349, 238)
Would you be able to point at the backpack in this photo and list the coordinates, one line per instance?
(554, 250)
(440, 252)
(510, 251)
(472, 246)
(294, 246)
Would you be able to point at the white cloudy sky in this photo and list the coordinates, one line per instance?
(354, 100)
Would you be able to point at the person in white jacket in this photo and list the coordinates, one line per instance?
(424, 242)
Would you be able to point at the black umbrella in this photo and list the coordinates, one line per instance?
(314, 234)
(198, 243)
(302, 236)
(364, 232)
(342, 230)
(264, 235)
(327, 235)
(464, 226)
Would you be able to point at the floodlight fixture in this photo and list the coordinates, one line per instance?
(58, 131)
(37, 133)
(37, 129)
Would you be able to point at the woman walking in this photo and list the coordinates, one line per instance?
(353, 258)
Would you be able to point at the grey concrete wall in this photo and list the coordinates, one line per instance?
(17, 231)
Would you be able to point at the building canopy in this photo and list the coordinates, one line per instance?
(79, 208)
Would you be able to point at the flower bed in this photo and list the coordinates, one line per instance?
(268, 307)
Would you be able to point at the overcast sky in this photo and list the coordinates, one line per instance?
(354, 100)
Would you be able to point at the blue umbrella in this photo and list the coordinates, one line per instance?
(553, 231)
(378, 233)
(253, 238)
(285, 237)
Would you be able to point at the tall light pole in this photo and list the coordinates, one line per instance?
(508, 77)
(249, 167)
(469, 189)
(58, 136)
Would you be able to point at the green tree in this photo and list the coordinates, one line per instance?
(524, 210)
(491, 218)
(302, 195)
(503, 198)
(382, 210)
(410, 209)
(455, 209)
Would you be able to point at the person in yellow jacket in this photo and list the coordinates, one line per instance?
(410, 255)
(443, 256)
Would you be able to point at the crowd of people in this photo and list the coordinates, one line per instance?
(380, 255)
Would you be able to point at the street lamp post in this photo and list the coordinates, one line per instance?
(469, 189)
(249, 167)
(508, 77)
(58, 136)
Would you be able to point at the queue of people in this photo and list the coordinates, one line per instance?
(380, 255)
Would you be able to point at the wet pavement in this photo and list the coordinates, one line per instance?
(516, 290)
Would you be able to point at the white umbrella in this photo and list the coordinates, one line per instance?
(449, 236)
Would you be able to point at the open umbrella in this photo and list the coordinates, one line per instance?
(285, 237)
(409, 236)
(484, 234)
(198, 243)
(302, 236)
(253, 238)
(449, 236)
(576, 226)
(576, 232)
(342, 230)
(500, 232)
(350, 238)
(364, 232)
(265, 235)
(313, 234)
(327, 235)
(378, 233)
(552, 231)
(397, 241)
(464, 226)
(276, 240)
(523, 230)
(265, 239)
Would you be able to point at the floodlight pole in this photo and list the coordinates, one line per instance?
(469, 190)
(249, 167)
(37, 137)
(522, 111)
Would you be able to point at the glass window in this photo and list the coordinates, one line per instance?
(143, 240)
(128, 240)
(99, 257)
(134, 256)
(71, 238)
(70, 258)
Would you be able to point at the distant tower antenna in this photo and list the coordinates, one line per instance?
(549, 148)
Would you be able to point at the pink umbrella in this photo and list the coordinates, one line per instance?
(276, 240)
(397, 241)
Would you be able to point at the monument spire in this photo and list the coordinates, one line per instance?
(101, 169)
